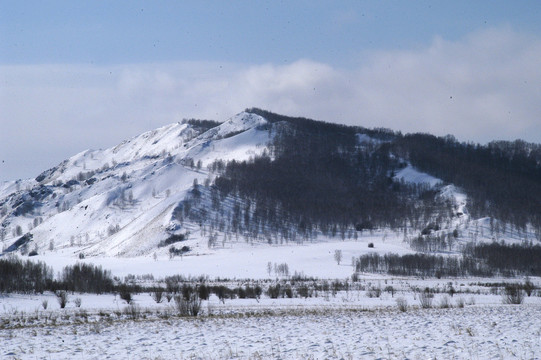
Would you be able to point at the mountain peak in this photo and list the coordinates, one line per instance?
(119, 201)
(323, 180)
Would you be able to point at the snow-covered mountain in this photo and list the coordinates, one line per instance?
(119, 201)
(135, 198)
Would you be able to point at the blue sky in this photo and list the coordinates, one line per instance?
(335, 32)
(88, 74)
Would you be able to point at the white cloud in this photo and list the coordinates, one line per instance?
(483, 87)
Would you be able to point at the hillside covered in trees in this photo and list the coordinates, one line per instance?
(268, 178)
(337, 179)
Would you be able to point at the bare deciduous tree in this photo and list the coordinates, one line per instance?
(338, 256)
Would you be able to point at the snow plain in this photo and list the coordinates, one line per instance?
(297, 329)
(346, 325)
(242, 260)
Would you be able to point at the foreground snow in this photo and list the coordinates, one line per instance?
(349, 324)
(486, 332)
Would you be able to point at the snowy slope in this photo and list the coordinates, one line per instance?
(119, 201)
(470, 230)
(410, 175)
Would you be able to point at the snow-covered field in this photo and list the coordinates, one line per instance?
(305, 330)
(242, 260)
(347, 325)
(353, 324)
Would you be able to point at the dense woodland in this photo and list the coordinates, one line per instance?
(26, 276)
(486, 260)
(476, 260)
(502, 179)
(201, 125)
(318, 177)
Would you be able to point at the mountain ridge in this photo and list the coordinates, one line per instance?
(202, 180)
(111, 181)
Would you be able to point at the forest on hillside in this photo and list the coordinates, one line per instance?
(502, 179)
(318, 177)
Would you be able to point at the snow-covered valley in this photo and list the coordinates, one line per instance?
(147, 212)
(379, 316)
(342, 326)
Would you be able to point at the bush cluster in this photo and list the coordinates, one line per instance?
(477, 260)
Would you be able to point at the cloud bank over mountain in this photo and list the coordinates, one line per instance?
(483, 87)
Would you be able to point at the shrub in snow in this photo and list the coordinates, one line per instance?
(77, 302)
(338, 256)
(187, 291)
(157, 295)
(460, 302)
(445, 302)
(425, 299)
(252, 292)
(125, 294)
(288, 292)
(370, 245)
(173, 251)
(391, 290)
(132, 311)
(303, 291)
(513, 294)
(374, 292)
(172, 239)
(528, 286)
(62, 298)
(113, 229)
(203, 291)
(273, 291)
(402, 304)
(188, 307)
(241, 293)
